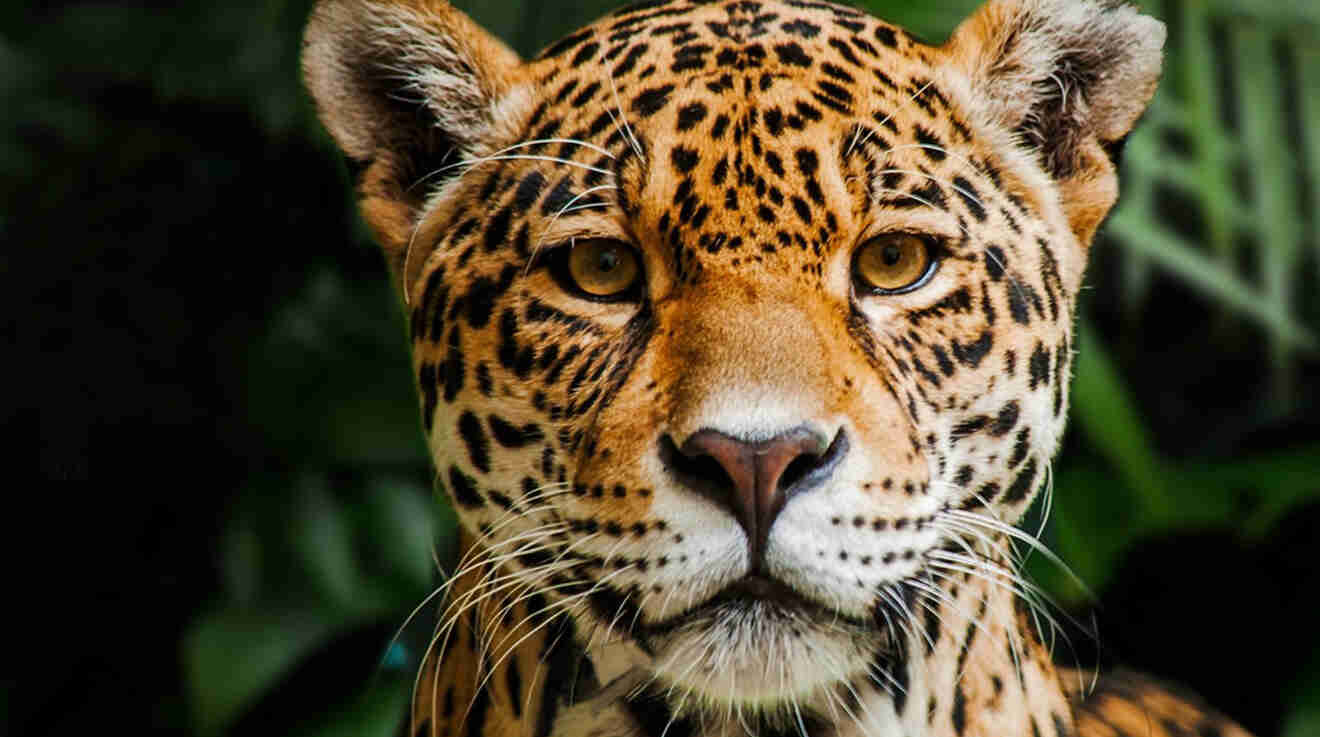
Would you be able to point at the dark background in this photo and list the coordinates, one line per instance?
(218, 503)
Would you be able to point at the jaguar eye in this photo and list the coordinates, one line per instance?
(894, 263)
(602, 269)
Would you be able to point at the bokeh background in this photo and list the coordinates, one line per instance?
(231, 514)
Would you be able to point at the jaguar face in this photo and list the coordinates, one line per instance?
(738, 326)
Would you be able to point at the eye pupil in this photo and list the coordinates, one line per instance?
(609, 260)
(892, 255)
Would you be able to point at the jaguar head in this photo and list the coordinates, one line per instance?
(738, 326)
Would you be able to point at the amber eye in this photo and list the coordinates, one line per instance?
(602, 269)
(893, 263)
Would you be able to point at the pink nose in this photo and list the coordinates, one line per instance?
(754, 480)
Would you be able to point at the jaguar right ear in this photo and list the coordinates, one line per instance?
(406, 88)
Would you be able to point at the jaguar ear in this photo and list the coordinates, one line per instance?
(407, 87)
(1070, 78)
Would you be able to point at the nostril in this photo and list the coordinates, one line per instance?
(701, 470)
(808, 468)
(798, 470)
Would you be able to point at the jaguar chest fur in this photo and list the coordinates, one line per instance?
(743, 331)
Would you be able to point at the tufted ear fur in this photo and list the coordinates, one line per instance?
(406, 87)
(1070, 78)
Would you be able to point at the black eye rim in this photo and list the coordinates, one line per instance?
(557, 259)
(934, 253)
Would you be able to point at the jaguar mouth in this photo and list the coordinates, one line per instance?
(761, 644)
(763, 594)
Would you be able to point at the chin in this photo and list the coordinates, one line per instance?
(741, 653)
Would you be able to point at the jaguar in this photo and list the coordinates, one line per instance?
(742, 332)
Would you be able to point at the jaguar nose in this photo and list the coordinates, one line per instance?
(754, 480)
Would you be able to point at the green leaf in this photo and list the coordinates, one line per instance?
(403, 527)
(1162, 247)
(1107, 413)
(234, 656)
(324, 539)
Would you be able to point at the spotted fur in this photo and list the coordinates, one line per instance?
(744, 149)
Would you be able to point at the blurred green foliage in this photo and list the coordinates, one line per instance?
(1194, 401)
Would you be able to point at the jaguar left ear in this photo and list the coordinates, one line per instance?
(407, 87)
(1071, 78)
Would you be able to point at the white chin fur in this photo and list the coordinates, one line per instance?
(758, 656)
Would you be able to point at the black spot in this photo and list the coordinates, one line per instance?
(808, 162)
(1040, 366)
(1022, 485)
(685, 159)
(480, 302)
(802, 209)
(484, 382)
(690, 57)
(453, 369)
(464, 489)
(835, 92)
(721, 171)
(959, 712)
(478, 445)
(970, 426)
(969, 197)
(565, 45)
(930, 194)
(566, 90)
(1020, 447)
(497, 230)
(508, 346)
(942, 359)
(652, 101)
(630, 61)
(512, 436)
(926, 373)
(529, 190)
(972, 354)
(964, 476)
(1006, 420)
(718, 128)
(586, 95)
(1017, 304)
(791, 53)
(931, 145)
(808, 112)
(837, 72)
(586, 53)
(559, 197)
(886, 36)
(801, 28)
(994, 262)
(690, 115)
(862, 44)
